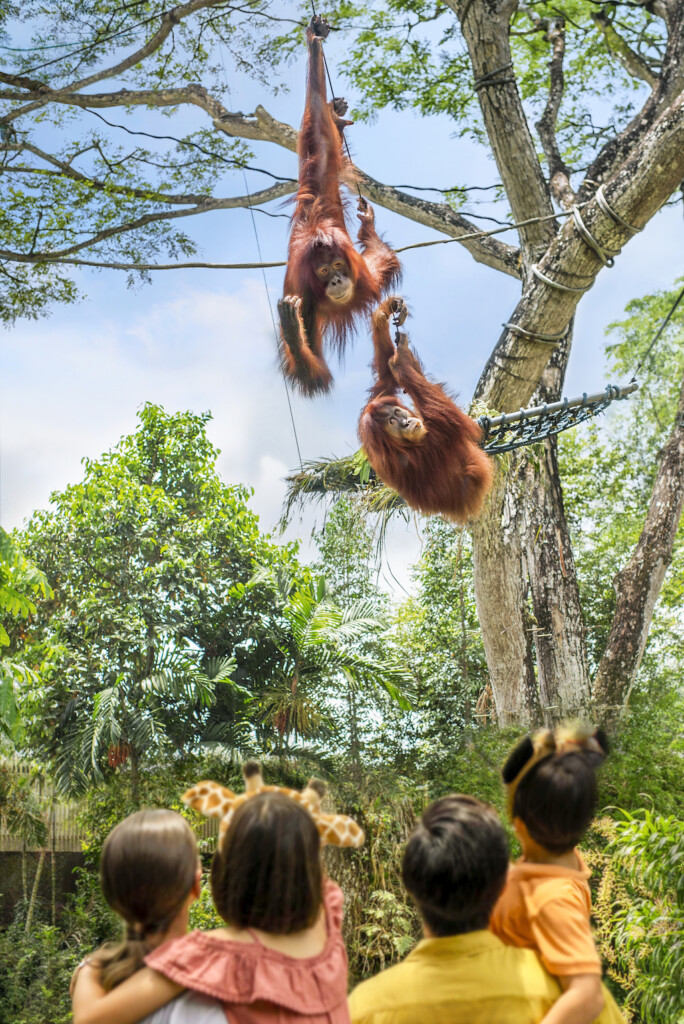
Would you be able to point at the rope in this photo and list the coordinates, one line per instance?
(484, 81)
(556, 284)
(604, 255)
(6, 254)
(603, 205)
(547, 339)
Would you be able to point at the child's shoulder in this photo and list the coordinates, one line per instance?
(539, 884)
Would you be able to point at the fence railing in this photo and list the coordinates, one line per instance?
(65, 834)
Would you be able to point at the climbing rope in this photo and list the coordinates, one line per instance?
(333, 97)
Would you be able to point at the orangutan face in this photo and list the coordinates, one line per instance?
(335, 275)
(403, 424)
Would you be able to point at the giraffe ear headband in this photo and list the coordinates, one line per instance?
(565, 739)
(215, 801)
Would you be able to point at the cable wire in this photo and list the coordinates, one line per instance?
(268, 295)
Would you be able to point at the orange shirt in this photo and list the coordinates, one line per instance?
(547, 908)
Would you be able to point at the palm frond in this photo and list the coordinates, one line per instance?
(327, 479)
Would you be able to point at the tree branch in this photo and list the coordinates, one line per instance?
(169, 20)
(559, 174)
(206, 206)
(441, 217)
(65, 169)
(638, 585)
(639, 189)
(634, 64)
(261, 126)
(667, 90)
(485, 25)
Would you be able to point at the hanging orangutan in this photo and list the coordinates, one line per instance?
(328, 284)
(431, 456)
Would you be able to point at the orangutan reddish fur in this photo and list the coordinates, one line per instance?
(446, 472)
(319, 235)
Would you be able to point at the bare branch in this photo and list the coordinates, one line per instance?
(485, 28)
(633, 63)
(559, 174)
(442, 218)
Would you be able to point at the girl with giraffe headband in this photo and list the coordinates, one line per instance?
(281, 956)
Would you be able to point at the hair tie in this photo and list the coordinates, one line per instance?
(135, 931)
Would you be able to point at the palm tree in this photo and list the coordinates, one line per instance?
(132, 718)
(317, 643)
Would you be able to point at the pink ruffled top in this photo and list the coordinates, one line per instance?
(259, 985)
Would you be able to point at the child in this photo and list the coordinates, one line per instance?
(281, 955)
(158, 847)
(546, 904)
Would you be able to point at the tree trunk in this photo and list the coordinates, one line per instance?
(135, 776)
(558, 631)
(523, 556)
(501, 595)
(638, 584)
(34, 892)
(24, 871)
(53, 867)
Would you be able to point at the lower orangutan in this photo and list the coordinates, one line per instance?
(430, 454)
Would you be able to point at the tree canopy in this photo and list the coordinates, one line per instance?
(147, 557)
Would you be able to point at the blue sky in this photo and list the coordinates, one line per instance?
(70, 384)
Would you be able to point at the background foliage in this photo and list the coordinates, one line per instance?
(156, 635)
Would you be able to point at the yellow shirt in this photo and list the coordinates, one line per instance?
(463, 979)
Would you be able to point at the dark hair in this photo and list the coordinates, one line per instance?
(267, 872)
(455, 864)
(556, 800)
(148, 866)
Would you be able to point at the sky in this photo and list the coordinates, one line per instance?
(70, 384)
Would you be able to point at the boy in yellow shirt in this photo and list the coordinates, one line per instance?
(546, 905)
(454, 867)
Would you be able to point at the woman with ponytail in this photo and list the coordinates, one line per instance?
(150, 875)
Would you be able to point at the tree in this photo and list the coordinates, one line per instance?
(317, 641)
(88, 197)
(624, 489)
(20, 581)
(437, 634)
(148, 557)
(348, 561)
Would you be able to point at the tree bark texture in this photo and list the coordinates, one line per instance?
(522, 536)
(501, 594)
(637, 585)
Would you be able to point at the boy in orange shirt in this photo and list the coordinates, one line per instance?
(546, 904)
